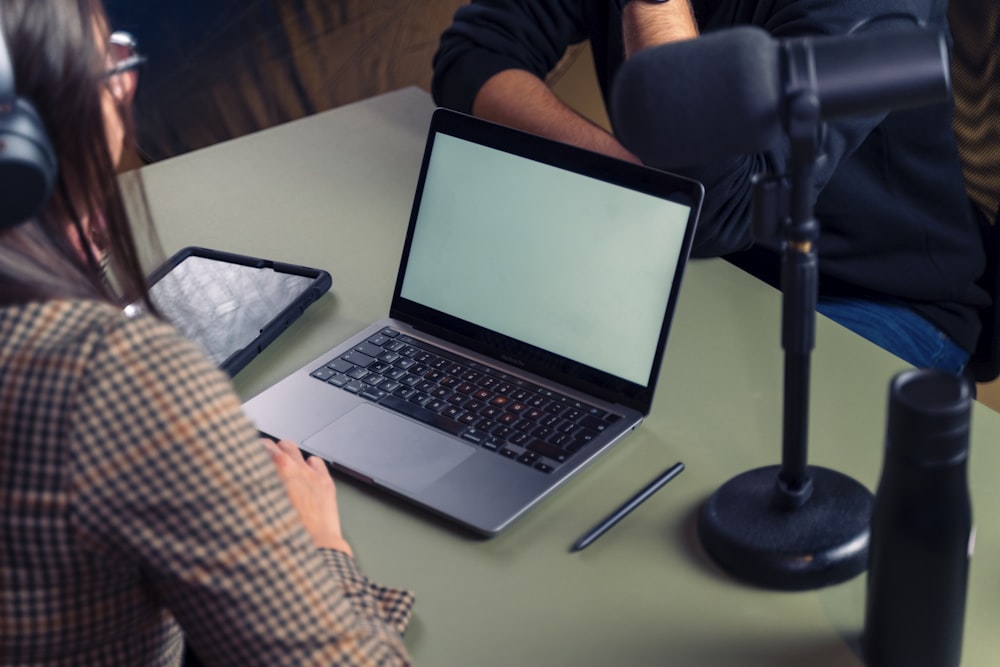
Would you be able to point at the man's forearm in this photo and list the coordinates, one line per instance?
(519, 99)
(646, 24)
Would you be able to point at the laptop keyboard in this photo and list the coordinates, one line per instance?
(522, 421)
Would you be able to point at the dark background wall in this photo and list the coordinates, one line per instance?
(219, 69)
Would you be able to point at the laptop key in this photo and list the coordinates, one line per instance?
(524, 425)
(441, 392)
(502, 432)
(371, 394)
(548, 450)
(420, 398)
(323, 373)
(368, 349)
(555, 408)
(357, 373)
(390, 357)
(395, 374)
(594, 423)
(538, 402)
(474, 436)
(378, 367)
(394, 346)
(389, 386)
(421, 414)
(519, 438)
(542, 431)
(559, 439)
(405, 392)
(566, 427)
(534, 414)
(491, 443)
(379, 340)
(338, 380)
(340, 365)
(550, 421)
(358, 358)
(528, 458)
(353, 386)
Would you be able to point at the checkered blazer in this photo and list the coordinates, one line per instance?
(138, 511)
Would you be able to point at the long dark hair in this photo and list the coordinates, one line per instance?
(59, 67)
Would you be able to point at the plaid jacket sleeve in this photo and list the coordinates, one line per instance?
(169, 477)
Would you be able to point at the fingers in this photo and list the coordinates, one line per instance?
(281, 448)
(317, 464)
(286, 453)
(290, 448)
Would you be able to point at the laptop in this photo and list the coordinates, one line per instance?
(526, 329)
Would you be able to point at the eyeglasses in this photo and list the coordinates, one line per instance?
(123, 55)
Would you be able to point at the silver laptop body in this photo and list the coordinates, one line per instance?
(527, 326)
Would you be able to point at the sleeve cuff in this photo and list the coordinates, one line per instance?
(392, 606)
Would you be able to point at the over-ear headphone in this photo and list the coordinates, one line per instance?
(27, 160)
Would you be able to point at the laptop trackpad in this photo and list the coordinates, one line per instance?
(387, 448)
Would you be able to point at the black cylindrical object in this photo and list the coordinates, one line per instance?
(921, 530)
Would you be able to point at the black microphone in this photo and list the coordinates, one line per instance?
(688, 103)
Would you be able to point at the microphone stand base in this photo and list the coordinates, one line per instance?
(747, 530)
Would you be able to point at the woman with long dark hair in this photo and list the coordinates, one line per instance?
(139, 510)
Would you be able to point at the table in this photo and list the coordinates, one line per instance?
(334, 191)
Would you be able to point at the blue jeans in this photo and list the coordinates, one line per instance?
(896, 328)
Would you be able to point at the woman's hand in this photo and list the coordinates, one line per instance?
(311, 491)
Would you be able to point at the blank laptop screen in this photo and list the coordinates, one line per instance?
(567, 263)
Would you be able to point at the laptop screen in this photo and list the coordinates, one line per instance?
(552, 256)
(562, 261)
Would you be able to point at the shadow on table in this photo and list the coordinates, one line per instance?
(842, 604)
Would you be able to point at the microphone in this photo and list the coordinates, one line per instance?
(683, 104)
(688, 103)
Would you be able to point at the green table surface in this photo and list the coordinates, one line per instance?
(334, 191)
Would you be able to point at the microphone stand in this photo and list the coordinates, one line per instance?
(793, 526)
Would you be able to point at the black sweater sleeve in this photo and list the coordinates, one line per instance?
(490, 36)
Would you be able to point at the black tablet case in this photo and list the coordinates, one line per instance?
(233, 305)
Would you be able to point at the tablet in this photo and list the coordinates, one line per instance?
(231, 305)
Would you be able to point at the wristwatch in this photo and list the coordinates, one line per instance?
(620, 4)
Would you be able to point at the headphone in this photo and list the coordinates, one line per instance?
(27, 160)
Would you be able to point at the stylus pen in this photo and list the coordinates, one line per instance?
(633, 502)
